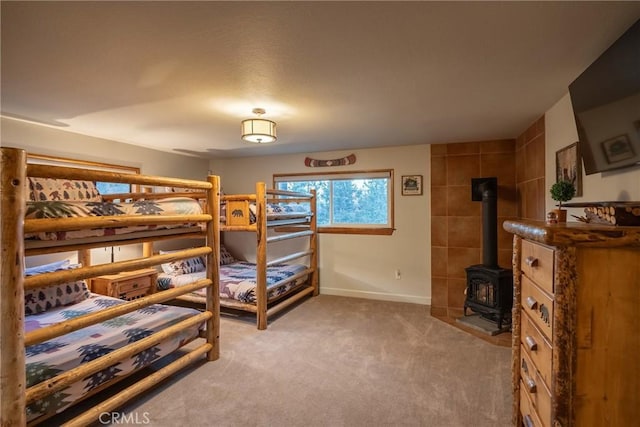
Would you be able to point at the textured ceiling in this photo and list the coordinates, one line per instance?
(180, 76)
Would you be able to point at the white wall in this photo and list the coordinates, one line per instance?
(46, 140)
(620, 185)
(357, 265)
(54, 142)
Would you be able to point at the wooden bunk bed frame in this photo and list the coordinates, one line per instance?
(293, 227)
(14, 395)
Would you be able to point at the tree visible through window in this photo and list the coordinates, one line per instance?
(353, 200)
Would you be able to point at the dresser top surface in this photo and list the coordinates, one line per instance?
(128, 274)
(574, 233)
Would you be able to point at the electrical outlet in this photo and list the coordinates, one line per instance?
(397, 274)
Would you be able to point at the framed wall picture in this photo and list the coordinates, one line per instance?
(569, 166)
(617, 149)
(411, 185)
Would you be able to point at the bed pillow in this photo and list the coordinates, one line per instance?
(48, 268)
(39, 300)
(225, 256)
(183, 266)
(50, 189)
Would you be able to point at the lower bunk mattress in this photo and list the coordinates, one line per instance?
(238, 280)
(58, 355)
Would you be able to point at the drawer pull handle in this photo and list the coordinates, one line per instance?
(532, 303)
(135, 286)
(527, 421)
(531, 385)
(531, 343)
(531, 261)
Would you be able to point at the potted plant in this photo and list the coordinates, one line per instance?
(562, 191)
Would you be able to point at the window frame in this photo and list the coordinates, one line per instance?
(334, 175)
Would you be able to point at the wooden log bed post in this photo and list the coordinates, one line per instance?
(213, 268)
(147, 247)
(84, 257)
(261, 255)
(313, 244)
(12, 352)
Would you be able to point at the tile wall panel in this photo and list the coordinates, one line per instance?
(456, 220)
(530, 171)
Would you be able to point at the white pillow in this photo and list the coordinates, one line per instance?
(39, 300)
(48, 268)
(225, 256)
(183, 266)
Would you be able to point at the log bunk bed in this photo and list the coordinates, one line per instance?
(32, 388)
(268, 285)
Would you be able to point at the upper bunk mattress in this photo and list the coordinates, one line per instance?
(274, 211)
(58, 355)
(66, 209)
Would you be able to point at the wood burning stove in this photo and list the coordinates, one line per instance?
(490, 293)
(489, 287)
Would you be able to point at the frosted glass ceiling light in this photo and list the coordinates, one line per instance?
(260, 131)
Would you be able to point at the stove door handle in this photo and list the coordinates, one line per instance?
(531, 343)
(532, 303)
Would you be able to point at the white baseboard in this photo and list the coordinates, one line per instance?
(375, 295)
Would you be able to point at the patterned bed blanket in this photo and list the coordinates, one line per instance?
(238, 280)
(64, 209)
(50, 358)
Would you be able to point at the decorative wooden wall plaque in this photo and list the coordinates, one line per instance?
(312, 163)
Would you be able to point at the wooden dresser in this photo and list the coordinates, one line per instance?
(576, 324)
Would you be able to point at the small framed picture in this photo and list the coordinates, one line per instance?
(411, 185)
(617, 149)
(569, 166)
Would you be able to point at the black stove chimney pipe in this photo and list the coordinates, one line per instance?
(486, 190)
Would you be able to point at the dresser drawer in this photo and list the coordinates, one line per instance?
(537, 264)
(537, 347)
(539, 306)
(136, 284)
(534, 387)
(529, 416)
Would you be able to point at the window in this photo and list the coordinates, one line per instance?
(113, 187)
(347, 202)
(103, 187)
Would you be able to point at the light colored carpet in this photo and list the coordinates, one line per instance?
(337, 361)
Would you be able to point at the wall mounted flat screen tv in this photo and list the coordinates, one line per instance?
(606, 105)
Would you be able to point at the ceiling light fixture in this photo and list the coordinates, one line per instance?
(260, 131)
